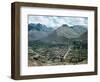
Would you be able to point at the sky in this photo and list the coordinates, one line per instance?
(57, 21)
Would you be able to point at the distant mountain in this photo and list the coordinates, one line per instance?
(84, 37)
(80, 29)
(38, 31)
(61, 35)
(39, 27)
(66, 32)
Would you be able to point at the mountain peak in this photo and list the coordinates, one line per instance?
(39, 27)
(38, 31)
(80, 29)
(65, 25)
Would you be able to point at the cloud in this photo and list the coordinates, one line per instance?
(56, 21)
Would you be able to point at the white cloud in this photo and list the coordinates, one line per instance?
(56, 21)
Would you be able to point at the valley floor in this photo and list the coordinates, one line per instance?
(38, 63)
(56, 57)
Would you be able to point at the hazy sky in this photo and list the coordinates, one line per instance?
(56, 21)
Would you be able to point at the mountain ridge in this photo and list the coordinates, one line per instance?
(62, 34)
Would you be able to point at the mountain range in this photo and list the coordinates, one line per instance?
(62, 34)
(38, 31)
